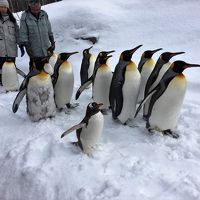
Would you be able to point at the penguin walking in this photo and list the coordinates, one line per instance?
(162, 65)
(53, 57)
(87, 66)
(9, 75)
(166, 99)
(145, 68)
(124, 87)
(63, 81)
(92, 77)
(101, 85)
(38, 88)
(90, 129)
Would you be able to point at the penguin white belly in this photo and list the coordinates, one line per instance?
(53, 59)
(9, 77)
(164, 68)
(144, 77)
(64, 86)
(101, 86)
(90, 135)
(91, 68)
(40, 98)
(130, 92)
(167, 108)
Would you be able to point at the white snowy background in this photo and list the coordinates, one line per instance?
(36, 164)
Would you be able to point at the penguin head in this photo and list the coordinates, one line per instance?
(93, 108)
(104, 54)
(179, 66)
(86, 52)
(127, 54)
(42, 63)
(166, 56)
(65, 56)
(103, 59)
(149, 53)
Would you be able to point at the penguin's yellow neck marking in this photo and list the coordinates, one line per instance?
(149, 63)
(43, 74)
(131, 66)
(181, 76)
(65, 64)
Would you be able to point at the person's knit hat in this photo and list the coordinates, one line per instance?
(33, 1)
(4, 3)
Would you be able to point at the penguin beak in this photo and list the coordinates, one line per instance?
(133, 50)
(175, 54)
(108, 52)
(72, 53)
(187, 65)
(89, 48)
(154, 51)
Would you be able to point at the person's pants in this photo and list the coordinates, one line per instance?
(31, 64)
(2, 60)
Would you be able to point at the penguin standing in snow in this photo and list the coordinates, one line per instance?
(52, 56)
(145, 68)
(39, 91)
(166, 99)
(101, 85)
(9, 75)
(162, 65)
(63, 81)
(89, 130)
(92, 78)
(124, 87)
(87, 65)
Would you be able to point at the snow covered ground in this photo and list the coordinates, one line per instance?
(36, 164)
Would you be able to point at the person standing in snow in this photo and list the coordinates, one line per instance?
(9, 34)
(35, 31)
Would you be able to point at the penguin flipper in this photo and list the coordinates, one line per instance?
(83, 87)
(144, 101)
(18, 100)
(20, 72)
(78, 126)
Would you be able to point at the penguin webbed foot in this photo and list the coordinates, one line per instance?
(170, 133)
(71, 106)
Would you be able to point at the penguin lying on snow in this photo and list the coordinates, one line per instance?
(39, 91)
(92, 78)
(124, 87)
(9, 75)
(63, 81)
(145, 68)
(89, 130)
(166, 99)
(162, 65)
(87, 66)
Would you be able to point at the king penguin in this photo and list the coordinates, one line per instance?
(145, 68)
(101, 85)
(9, 72)
(90, 129)
(39, 91)
(63, 81)
(124, 87)
(87, 65)
(92, 77)
(162, 65)
(166, 99)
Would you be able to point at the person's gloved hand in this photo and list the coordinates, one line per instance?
(51, 38)
(22, 50)
(53, 46)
